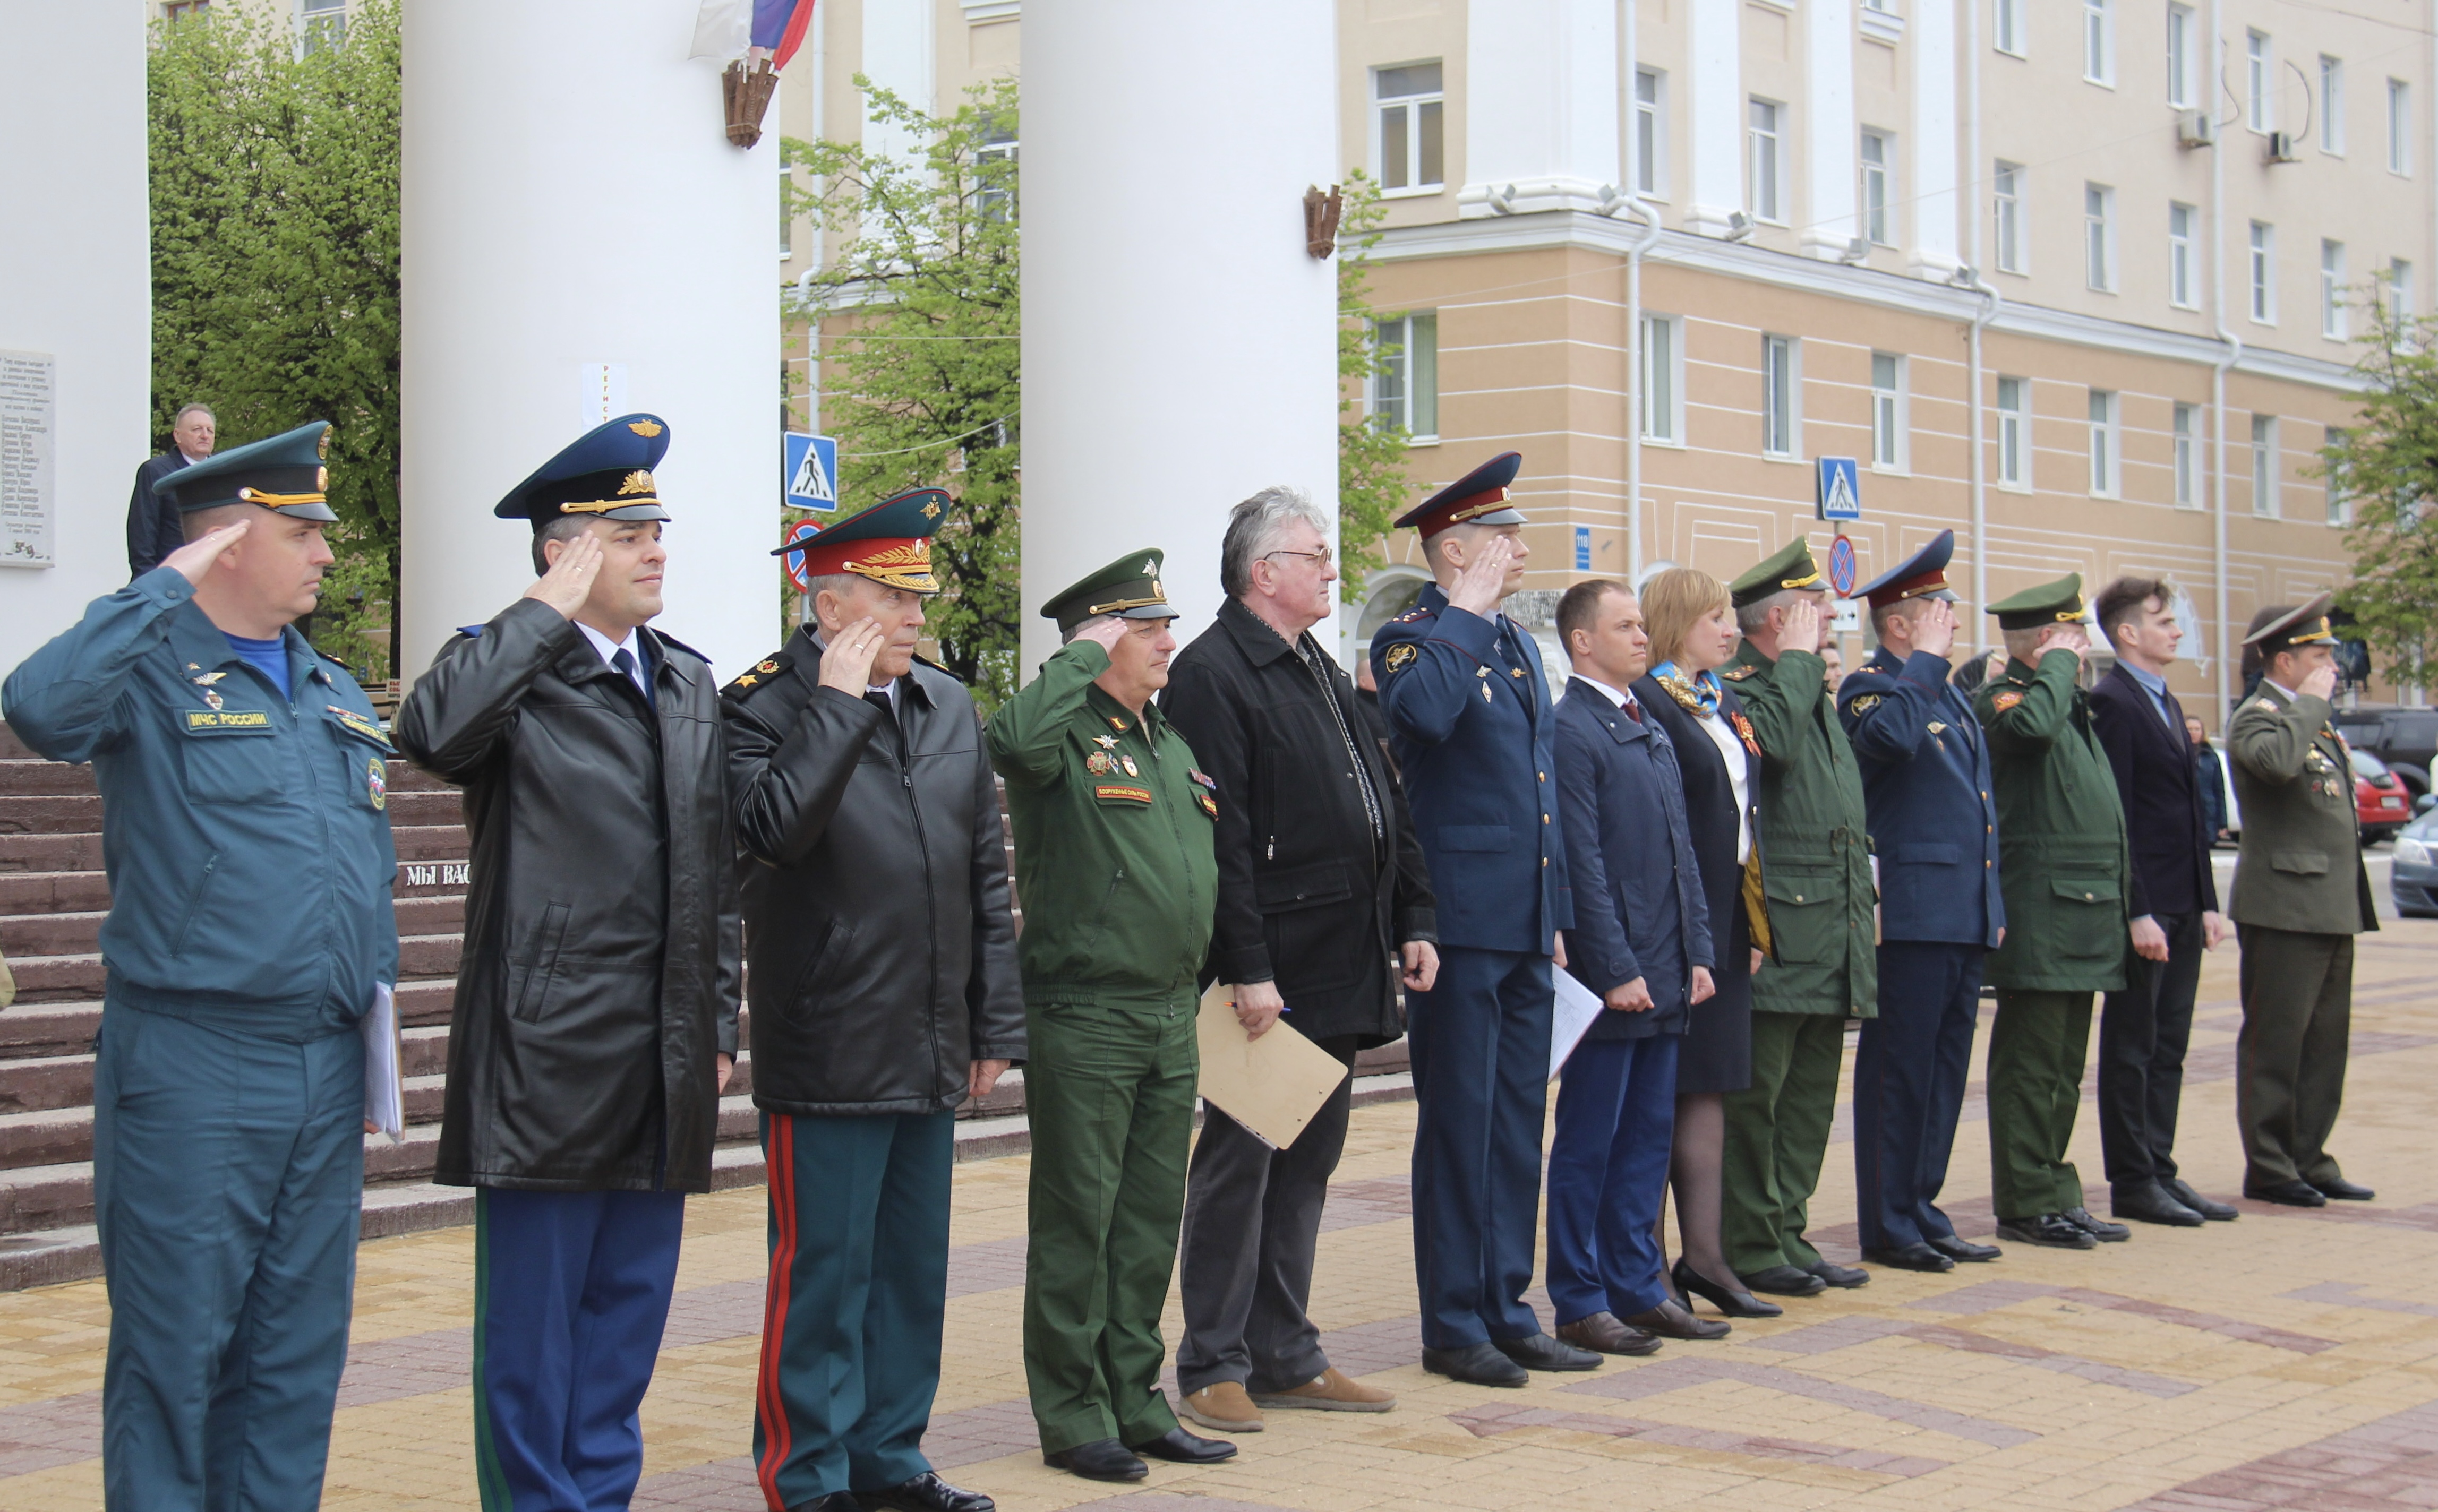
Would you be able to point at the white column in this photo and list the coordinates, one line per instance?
(1937, 142)
(1541, 109)
(571, 199)
(1827, 210)
(1171, 367)
(75, 294)
(1715, 111)
(898, 56)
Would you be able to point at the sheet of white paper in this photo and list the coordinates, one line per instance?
(1577, 1009)
(384, 1094)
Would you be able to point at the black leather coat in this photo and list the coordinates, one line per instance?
(599, 979)
(879, 940)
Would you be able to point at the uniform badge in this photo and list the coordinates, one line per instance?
(2002, 702)
(1128, 762)
(1936, 727)
(212, 698)
(208, 677)
(1863, 705)
(1210, 782)
(1118, 724)
(377, 783)
(1098, 764)
(768, 667)
(1485, 693)
(1106, 742)
(1744, 732)
(1400, 655)
(1108, 791)
(1210, 804)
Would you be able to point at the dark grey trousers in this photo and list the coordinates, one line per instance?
(1252, 1221)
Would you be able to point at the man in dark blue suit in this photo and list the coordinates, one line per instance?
(1470, 724)
(1641, 940)
(1926, 789)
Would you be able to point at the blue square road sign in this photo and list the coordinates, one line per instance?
(810, 475)
(1841, 489)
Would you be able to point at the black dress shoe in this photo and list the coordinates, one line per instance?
(1963, 1251)
(2149, 1202)
(1604, 1333)
(2182, 1190)
(2098, 1228)
(1915, 1257)
(926, 1492)
(1181, 1448)
(2289, 1193)
(1669, 1320)
(1538, 1351)
(1103, 1459)
(2055, 1230)
(1783, 1281)
(835, 1502)
(2338, 1189)
(1849, 1276)
(1476, 1364)
(1734, 1301)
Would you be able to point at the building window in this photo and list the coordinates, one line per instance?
(2007, 193)
(2099, 237)
(2181, 287)
(2263, 262)
(1663, 371)
(1876, 155)
(2009, 30)
(2399, 292)
(2180, 50)
(1411, 111)
(996, 198)
(2332, 290)
(2012, 418)
(1650, 133)
(2187, 475)
(2399, 126)
(2341, 502)
(2259, 79)
(322, 22)
(1781, 390)
(2098, 43)
(186, 9)
(2103, 443)
(1887, 412)
(1406, 391)
(2264, 466)
(1767, 158)
(2332, 105)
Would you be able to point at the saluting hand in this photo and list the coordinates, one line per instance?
(846, 661)
(2322, 683)
(569, 582)
(2066, 637)
(1934, 632)
(194, 560)
(1479, 582)
(1107, 634)
(1800, 629)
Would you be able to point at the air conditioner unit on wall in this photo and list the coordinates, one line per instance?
(2281, 148)
(2195, 129)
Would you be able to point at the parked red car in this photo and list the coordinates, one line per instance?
(2380, 798)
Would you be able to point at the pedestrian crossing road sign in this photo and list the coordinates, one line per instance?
(810, 476)
(1841, 489)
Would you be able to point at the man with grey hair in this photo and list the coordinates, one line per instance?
(153, 529)
(1324, 905)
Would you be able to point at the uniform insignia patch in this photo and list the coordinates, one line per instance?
(1738, 674)
(376, 783)
(213, 699)
(1210, 804)
(1128, 762)
(1400, 655)
(206, 719)
(357, 724)
(1515, 672)
(767, 666)
(1485, 693)
(1864, 704)
(1936, 727)
(1206, 781)
(1098, 764)
(208, 677)
(747, 680)
(1108, 791)
(1117, 723)
(2006, 701)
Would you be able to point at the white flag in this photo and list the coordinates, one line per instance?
(724, 29)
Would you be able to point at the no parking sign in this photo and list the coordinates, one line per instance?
(1841, 566)
(802, 531)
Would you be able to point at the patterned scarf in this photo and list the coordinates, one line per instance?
(1700, 694)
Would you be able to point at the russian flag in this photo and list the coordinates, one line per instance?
(778, 25)
(725, 28)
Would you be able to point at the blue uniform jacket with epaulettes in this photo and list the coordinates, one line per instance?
(1926, 789)
(246, 835)
(1476, 740)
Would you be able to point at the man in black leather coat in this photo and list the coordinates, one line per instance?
(886, 993)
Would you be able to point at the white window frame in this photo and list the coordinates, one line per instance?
(1765, 160)
(2332, 290)
(2399, 128)
(2099, 237)
(2266, 465)
(2182, 30)
(2339, 498)
(1398, 395)
(2399, 290)
(2185, 426)
(1412, 108)
(2010, 243)
(2099, 43)
(2014, 433)
(1891, 418)
(1661, 354)
(2260, 268)
(1876, 156)
(1781, 396)
(2107, 459)
(2332, 105)
(2184, 289)
(2006, 36)
(1650, 141)
(2259, 83)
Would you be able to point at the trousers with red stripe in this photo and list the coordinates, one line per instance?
(857, 1295)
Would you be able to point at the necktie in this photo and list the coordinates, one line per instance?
(1633, 708)
(624, 662)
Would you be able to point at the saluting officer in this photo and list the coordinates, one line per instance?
(2301, 895)
(2066, 870)
(1935, 829)
(1475, 737)
(1115, 866)
(1817, 880)
(243, 781)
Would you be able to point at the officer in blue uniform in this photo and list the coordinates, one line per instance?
(1471, 725)
(244, 784)
(1926, 789)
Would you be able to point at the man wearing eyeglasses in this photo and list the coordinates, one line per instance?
(1324, 907)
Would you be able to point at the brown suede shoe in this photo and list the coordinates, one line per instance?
(1332, 1390)
(1223, 1405)
(1605, 1333)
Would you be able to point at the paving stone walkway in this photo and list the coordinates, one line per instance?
(2289, 1360)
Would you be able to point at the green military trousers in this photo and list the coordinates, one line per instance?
(1777, 1134)
(2036, 1049)
(2289, 1056)
(1109, 1093)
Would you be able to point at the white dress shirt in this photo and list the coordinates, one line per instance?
(632, 646)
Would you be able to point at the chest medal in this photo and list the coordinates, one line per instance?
(1128, 762)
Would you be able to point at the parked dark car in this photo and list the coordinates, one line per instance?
(2380, 797)
(2405, 739)
(2413, 877)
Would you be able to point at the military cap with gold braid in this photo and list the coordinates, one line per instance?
(283, 473)
(890, 543)
(2057, 603)
(1791, 568)
(604, 474)
(2279, 629)
(1479, 498)
(1128, 588)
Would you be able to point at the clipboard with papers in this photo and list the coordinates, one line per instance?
(1272, 1085)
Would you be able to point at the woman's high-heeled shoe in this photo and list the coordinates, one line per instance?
(1733, 1301)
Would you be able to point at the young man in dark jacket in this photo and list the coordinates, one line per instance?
(1322, 900)
(877, 922)
(595, 1018)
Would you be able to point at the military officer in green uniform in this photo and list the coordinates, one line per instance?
(1816, 874)
(2064, 870)
(2301, 895)
(1115, 871)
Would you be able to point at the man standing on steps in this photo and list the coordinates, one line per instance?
(1815, 858)
(876, 918)
(244, 786)
(1475, 742)
(595, 1017)
(155, 528)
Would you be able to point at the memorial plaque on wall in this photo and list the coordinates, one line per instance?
(28, 475)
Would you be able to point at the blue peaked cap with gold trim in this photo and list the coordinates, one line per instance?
(605, 474)
(1479, 498)
(283, 473)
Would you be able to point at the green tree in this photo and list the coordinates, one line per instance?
(274, 199)
(923, 356)
(2386, 464)
(1371, 484)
